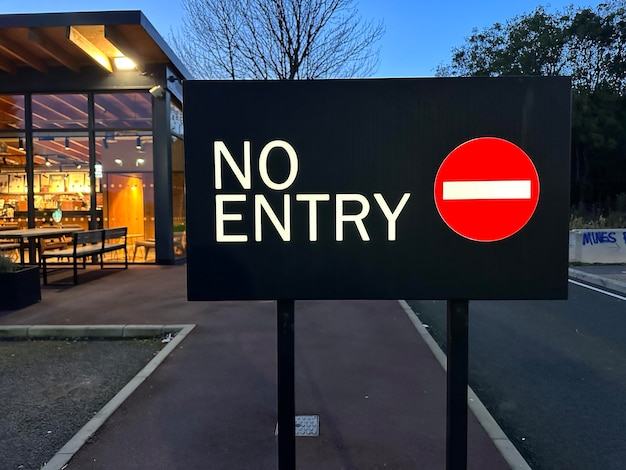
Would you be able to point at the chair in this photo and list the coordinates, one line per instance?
(147, 245)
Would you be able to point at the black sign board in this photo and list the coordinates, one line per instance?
(337, 189)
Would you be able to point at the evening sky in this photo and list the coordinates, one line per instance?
(419, 34)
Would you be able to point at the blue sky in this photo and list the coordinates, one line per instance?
(419, 34)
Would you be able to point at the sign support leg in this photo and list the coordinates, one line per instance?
(286, 386)
(457, 377)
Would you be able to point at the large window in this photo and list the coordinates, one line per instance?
(124, 155)
(95, 165)
(178, 183)
(61, 177)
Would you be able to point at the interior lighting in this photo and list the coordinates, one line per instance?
(79, 166)
(98, 170)
(48, 162)
(138, 145)
(119, 161)
(67, 143)
(139, 162)
(20, 144)
(105, 143)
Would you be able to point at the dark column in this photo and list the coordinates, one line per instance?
(456, 436)
(286, 386)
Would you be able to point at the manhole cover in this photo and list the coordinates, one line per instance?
(306, 426)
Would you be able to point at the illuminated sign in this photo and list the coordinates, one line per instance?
(376, 189)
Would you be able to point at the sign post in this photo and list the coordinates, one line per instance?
(457, 379)
(438, 189)
(286, 385)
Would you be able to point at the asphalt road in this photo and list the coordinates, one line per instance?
(552, 373)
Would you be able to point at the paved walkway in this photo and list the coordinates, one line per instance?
(360, 365)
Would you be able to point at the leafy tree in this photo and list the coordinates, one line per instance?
(531, 44)
(590, 46)
(277, 39)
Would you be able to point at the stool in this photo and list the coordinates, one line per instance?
(147, 245)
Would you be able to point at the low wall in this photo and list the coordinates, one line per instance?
(606, 246)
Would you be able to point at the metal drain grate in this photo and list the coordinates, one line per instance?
(306, 426)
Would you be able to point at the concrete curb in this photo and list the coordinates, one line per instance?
(60, 460)
(87, 331)
(596, 280)
(493, 429)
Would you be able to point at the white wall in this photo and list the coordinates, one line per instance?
(607, 246)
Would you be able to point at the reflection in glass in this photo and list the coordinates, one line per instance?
(123, 110)
(12, 112)
(61, 111)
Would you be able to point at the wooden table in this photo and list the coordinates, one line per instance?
(34, 235)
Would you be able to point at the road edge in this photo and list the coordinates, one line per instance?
(489, 424)
(599, 281)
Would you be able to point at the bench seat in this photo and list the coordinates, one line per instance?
(89, 243)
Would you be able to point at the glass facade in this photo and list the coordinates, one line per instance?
(91, 156)
(178, 183)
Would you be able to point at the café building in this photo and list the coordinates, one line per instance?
(91, 128)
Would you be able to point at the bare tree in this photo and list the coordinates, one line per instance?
(277, 39)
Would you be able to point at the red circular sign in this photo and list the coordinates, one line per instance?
(486, 189)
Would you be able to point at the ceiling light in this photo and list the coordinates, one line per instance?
(105, 144)
(124, 63)
(138, 145)
(20, 144)
(119, 161)
(139, 162)
(67, 143)
(48, 162)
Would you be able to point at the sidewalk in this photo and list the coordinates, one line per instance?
(360, 365)
(609, 276)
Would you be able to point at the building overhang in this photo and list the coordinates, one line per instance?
(75, 42)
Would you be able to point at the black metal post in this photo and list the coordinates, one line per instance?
(456, 418)
(286, 386)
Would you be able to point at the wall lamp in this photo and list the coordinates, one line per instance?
(157, 91)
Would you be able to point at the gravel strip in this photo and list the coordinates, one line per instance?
(49, 389)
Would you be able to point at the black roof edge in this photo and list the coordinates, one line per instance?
(121, 17)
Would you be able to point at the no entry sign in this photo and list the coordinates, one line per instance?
(487, 189)
(377, 189)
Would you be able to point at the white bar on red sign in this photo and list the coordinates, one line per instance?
(468, 190)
